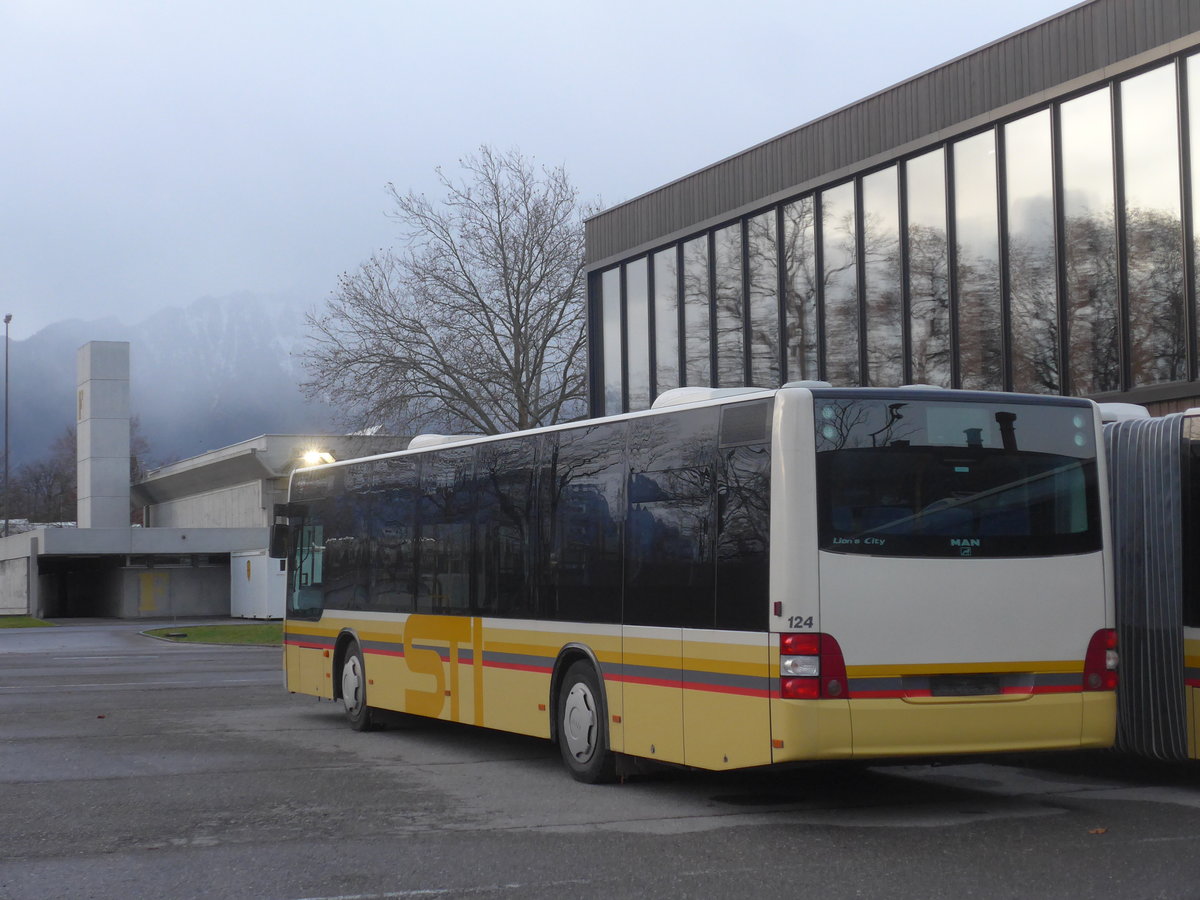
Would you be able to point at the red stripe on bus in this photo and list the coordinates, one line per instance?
(307, 646)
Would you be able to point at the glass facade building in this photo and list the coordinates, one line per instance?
(1044, 244)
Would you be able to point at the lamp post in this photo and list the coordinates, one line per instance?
(7, 319)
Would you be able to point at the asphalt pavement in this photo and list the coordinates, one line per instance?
(135, 768)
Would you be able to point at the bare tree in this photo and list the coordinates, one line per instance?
(46, 490)
(478, 324)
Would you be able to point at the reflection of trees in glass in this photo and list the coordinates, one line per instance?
(1157, 317)
(1035, 327)
(610, 314)
(840, 263)
(637, 335)
(800, 283)
(837, 420)
(1093, 335)
(727, 267)
(881, 255)
(1033, 280)
(929, 287)
(695, 312)
(1089, 244)
(762, 253)
(979, 335)
(666, 320)
(1150, 158)
(980, 346)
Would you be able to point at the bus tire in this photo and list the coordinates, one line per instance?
(582, 726)
(354, 690)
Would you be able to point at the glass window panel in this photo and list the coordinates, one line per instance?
(980, 347)
(727, 262)
(730, 306)
(445, 512)
(840, 264)
(637, 335)
(696, 343)
(1033, 289)
(610, 314)
(800, 286)
(763, 255)
(393, 572)
(666, 320)
(581, 506)
(1090, 244)
(1153, 228)
(505, 527)
(669, 565)
(928, 269)
(881, 249)
(743, 537)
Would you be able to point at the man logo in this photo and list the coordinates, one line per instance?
(964, 542)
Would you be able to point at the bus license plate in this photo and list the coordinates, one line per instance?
(963, 685)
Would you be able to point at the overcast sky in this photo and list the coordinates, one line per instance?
(153, 152)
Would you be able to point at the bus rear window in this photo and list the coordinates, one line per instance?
(917, 478)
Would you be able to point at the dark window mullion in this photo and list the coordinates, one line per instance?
(952, 266)
(1060, 250)
(1006, 342)
(747, 349)
(819, 268)
(652, 326)
(1185, 206)
(781, 285)
(905, 273)
(680, 342)
(712, 309)
(1122, 240)
(624, 346)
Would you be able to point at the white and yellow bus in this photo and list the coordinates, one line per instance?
(734, 578)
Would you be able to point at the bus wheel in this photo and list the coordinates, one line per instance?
(582, 731)
(354, 690)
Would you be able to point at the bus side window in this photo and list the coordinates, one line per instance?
(581, 493)
(671, 525)
(743, 539)
(506, 527)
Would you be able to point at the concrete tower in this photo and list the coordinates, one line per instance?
(102, 420)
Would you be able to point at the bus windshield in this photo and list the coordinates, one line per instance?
(909, 477)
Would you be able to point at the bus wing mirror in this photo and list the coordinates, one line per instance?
(280, 533)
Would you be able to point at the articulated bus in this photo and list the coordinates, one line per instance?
(1154, 472)
(733, 578)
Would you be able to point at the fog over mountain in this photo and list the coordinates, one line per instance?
(213, 373)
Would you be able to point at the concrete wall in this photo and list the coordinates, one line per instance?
(14, 587)
(239, 506)
(163, 592)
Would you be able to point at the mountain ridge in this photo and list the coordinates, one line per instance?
(214, 372)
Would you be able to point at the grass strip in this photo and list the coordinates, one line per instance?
(24, 622)
(260, 633)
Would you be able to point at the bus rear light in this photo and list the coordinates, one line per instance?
(811, 667)
(1100, 664)
(806, 644)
